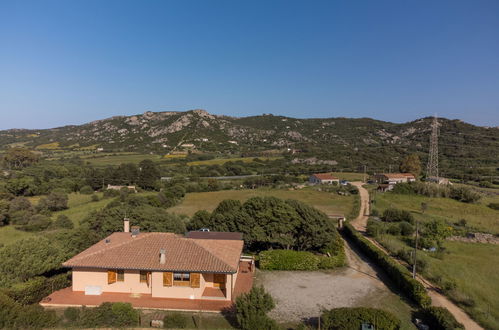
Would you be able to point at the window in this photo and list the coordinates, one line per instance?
(143, 276)
(121, 275)
(182, 279)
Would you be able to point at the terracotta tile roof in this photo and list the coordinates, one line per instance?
(122, 251)
(325, 176)
(214, 235)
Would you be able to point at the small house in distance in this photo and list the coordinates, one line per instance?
(113, 187)
(323, 178)
(387, 181)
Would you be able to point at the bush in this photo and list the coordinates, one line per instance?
(464, 194)
(72, 314)
(252, 308)
(55, 201)
(396, 215)
(494, 206)
(400, 275)
(109, 315)
(63, 222)
(37, 288)
(440, 318)
(37, 222)
(94, 198)
(86, 190)
(406, 229)
(175, 321)
(346, 318)
(298, 260)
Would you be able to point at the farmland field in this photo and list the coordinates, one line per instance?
(329, 203)
(117, 159)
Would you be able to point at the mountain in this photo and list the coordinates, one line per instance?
(349, 142)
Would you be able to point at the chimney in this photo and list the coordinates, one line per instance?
(162, 256)
(135, 231)
(126, 225)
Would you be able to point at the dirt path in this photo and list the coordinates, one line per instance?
(360, 224)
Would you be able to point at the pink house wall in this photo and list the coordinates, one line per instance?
(98, 277)
(132, 284)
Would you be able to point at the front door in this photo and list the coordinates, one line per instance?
(219, 281)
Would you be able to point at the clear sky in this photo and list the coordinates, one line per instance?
(70, 62)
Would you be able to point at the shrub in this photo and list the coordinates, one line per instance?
(396, 215)
(94, 198)
(35, 289)
(175, 320)
(400, 275)
(494, 206)
(252, 308)
(55, 201)
(86, 190)
(63, 221)
(464, 194)
(37, 222)
(406, 229)
(352, 318)
(440, 318)
(109, 315)
(72, 314)
(288, 260)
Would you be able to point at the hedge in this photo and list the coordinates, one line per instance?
(440, 318)
(398, 273)
(352, 318)
(37, 288)
(298, 260)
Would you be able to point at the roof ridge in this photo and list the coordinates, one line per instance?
(211, 253)
(104, 248)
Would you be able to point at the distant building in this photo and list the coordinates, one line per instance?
(323, 178)
(394, 178)
(187, 145)
(438, 180)
(111, 187)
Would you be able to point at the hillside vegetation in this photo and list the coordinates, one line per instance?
(344, 143)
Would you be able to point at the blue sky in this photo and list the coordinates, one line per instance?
(70, 62)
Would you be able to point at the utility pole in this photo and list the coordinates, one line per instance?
(432, 166)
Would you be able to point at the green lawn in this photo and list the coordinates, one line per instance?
(220, 161)
(80, 206)
(477, 215)
(329, 203)
(8, 235)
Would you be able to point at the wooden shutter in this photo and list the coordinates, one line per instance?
(195, 280)
(167, 279)
(111, 276)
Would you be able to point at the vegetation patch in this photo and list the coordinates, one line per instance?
(298, 260)
(354, 318)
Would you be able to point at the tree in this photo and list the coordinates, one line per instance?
(55, 201)
(148, 174)
(19, 158)
(252, 308)
(411, 164)
(63, 221)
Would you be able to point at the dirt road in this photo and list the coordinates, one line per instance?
(360, 224)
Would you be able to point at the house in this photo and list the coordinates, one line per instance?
(323, 178)
(438, 180)
(112, 187)
(128, 266)
(394, 178)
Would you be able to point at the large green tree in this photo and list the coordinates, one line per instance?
(411, 164)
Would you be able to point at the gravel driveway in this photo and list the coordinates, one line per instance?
(302, 294)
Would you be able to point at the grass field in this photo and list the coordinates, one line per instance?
(8, 235)
(80, 206)
(477, 215)
(111, 159)
(329, 203)
(220, 161)
(474, 267)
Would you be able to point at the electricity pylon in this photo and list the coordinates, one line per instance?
(432, 166)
